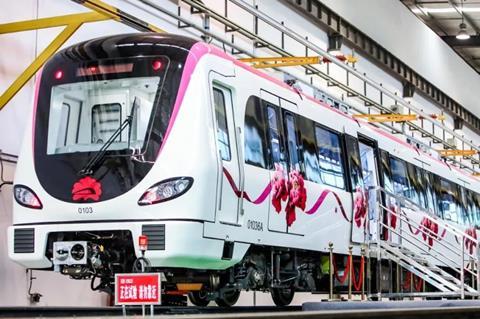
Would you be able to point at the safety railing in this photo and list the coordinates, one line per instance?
(425, 238)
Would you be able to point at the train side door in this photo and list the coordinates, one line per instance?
(278, 169)
(359, 204)
(229, 175)
(285, 157)
(371, 180)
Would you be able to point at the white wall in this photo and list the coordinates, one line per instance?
(18, 50)
(399, 31)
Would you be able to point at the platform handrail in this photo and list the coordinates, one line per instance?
(459, 255)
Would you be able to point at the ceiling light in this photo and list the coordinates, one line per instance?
(463, 34)
(446, 10)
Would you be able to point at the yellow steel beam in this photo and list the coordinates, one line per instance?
(118, 15)
(37, 63)
(51, 22)
(71, 22)
(102, 11)
(273, 62)
(392, 117)
(457, 152)
(379, 118)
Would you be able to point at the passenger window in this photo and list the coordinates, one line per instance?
(416, 189)
(387, 173)
(476, 203)
(275, 134)
(430, 194)
(309, 149)
(354, 163)
(448, 200)
(463, 207)
(106, 119)
(330, 158)
(292, 142)
(223, 140)
(399, 177)
(255, 134)
(469, 207)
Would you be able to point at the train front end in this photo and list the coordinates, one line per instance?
(96, 171)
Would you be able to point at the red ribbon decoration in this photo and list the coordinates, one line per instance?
(470, 244)
(429, 230)
(322, 198)
(391, 219)
(237, 192)
(293, 191)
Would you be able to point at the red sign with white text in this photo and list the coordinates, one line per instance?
(137, 289)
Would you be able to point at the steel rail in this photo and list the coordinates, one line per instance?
(445, 312)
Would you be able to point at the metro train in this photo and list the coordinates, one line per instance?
(238, 180)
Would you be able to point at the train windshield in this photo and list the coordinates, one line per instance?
(85, 115)
(103, 110)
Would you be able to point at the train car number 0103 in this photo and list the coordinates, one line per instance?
(85, 210)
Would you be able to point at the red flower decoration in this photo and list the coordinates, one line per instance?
(279, 188)
(297, 196)
(86, 188)
(359, 206)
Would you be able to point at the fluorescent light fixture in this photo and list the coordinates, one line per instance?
(446, 10)
(463, 34)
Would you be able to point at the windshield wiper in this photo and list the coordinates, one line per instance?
(89, 168)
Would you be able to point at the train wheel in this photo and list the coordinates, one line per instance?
(282, 296)
(199, 298)
(229, 298)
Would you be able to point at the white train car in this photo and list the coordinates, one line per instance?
(238, 180)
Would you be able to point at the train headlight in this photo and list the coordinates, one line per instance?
(166, 190)
(26, 197)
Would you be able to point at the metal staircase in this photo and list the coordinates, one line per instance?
(437, 254)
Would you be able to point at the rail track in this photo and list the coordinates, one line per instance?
(391, 310)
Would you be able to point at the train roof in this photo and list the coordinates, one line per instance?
(125, 45)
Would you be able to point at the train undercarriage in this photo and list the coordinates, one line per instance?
(278, 270)
(97, 256)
